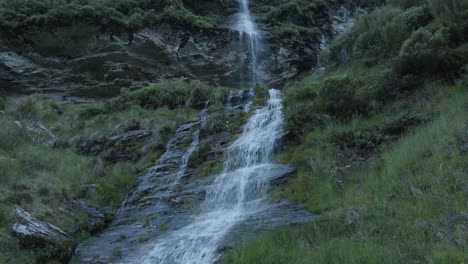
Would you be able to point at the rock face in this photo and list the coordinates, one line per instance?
(157, 54)
(47, 240)
(213, 55)
(95, 219)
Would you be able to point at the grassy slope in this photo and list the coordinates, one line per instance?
(42, 179)
(402, 201)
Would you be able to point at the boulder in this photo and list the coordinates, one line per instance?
(49, 241)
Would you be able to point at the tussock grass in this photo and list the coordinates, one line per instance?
(43, 179)
(389, 209)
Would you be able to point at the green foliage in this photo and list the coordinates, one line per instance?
(40, 178)
(171, 95)
(389, 209)
(448, 8)
(66, 28)
(310, 104)
(298, 12)
(416, 17)
(427, 53)
(379, 33)
(337, 98)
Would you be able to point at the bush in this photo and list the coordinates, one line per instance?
(380, 33)
(394, 84)
(300, 118)
(337, 98)
(308, 105)
(416, 17)
(447, 8)
(429, 54)
(377, 34)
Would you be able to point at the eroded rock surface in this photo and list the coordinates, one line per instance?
(49, 241)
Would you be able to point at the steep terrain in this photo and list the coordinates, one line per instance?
(95, 48)
(141, 108)
(379, 142)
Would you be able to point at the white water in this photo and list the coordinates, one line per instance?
(237, 193)
(240, 190)
(250, 36)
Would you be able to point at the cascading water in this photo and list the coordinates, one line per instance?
(232, 201)
(237, 193)
(250, 36)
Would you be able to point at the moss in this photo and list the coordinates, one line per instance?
(164, 226)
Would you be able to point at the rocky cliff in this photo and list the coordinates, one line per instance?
(79, 56)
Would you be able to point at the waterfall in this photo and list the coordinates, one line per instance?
(250, 36)
(240, 191)
(159, 213)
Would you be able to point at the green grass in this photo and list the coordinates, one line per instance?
(402, 198)
(391, 208)
(41, 178)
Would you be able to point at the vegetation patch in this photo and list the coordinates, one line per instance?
(48, 180)
(378, 145)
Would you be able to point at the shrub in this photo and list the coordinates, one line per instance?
(300, 118)
(447, 8)
(416, 17)
(394, 84)
(380, 33)
(429, 54)
(377, 34)
(337, 98)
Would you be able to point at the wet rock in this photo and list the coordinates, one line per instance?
(122, 147)
(49, 241)
(114, 148)
(94, 219)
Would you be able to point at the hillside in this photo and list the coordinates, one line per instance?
(380, 144)
(137, 131)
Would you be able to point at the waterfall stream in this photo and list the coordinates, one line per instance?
(250, 37)
(241, 189)
(155, 226)
(238, 192)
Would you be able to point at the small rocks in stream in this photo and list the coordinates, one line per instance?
(49, 241)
